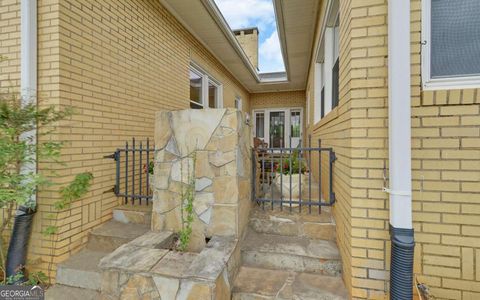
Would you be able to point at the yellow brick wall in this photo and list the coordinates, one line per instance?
(446, 182)
(277, 99)
(115, 63)
(334, 130)
(445, 164)
(10, 45)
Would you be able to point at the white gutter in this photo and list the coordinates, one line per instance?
(400, 177)
(28, 66)
(278, 11)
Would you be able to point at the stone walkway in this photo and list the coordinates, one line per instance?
(290, 255)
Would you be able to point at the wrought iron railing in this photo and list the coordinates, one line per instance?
(292, 178)
(134, 168)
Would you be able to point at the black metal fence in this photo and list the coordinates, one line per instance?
(293, 178)
(134, 168)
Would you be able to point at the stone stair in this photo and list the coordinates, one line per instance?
(290, 256)
(79, 276)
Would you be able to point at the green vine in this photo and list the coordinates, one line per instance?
(187, 212)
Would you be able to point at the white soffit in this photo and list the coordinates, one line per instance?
(296, 24)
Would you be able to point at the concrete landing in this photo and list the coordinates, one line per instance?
(256, 283)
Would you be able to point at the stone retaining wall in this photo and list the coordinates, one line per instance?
(214, 144)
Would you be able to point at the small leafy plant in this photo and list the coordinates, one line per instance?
(34, 278)
(291, 165)
(187, 211)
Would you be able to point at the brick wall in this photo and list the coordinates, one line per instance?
(335, 131)
(277, 99)
(115, 63)
(10, 45)
(445, 163)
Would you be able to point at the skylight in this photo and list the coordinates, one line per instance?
(256, 13)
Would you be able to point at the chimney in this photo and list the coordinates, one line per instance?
(248, 39)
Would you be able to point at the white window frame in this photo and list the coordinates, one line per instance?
(206, 80)
(266, 122)
(447, 83)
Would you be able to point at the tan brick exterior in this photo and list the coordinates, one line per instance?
(277, 99)
(116, 63)
(445, 163)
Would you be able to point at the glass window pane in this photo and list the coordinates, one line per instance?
(260, 125)
(212, 95)
(277, 129)
(455, 38)
(195, 87)
(295, 124)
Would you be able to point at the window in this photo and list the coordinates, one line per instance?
(322, 103)
(212, 94)
(451, 44)
(260, 125)
(318, 88)
(295, 124)
(195, 90)
(336, 64)
(205, 91)
(238, 103)
(335, 84)
(327, 68)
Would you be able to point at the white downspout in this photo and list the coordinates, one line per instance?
(28, 65)
(400, 174)
(400, 177)
(18, 246)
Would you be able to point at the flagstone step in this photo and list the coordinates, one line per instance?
(293, 253)
(308, 224)
(81, 270)
(257, 283)
(113, 234)
(136, 214)
(62, 292)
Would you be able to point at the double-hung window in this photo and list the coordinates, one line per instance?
(327, 72)
(450, 44)
(205, 91)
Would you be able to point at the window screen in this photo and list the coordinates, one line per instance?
(455, 38)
